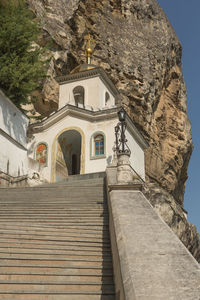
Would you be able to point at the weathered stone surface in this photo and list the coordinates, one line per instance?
(138, 48)
(149, 250)
(173, 214)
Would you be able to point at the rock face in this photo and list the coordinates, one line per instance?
(139, 50)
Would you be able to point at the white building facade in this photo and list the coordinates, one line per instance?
(76, 139)
(79, 137)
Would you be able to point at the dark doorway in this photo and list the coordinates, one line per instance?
(74, 164)
(68, 155)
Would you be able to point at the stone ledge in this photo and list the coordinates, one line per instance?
(129, 186)
(10, 181)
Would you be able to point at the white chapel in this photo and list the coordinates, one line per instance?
(78, 138)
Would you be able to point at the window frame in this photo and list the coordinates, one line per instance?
(93, 154)
(82, 89)
(107, 99)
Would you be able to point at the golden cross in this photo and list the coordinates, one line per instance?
(88, 50)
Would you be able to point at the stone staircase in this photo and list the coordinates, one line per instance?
(54, 241)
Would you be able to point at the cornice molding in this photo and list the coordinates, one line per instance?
(74, 111)
(91, 116)
(96, 72)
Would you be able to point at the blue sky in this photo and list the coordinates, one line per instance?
(184, 15)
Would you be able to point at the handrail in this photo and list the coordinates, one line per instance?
(137, 174)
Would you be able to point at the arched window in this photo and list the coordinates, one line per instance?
(41, 153)
(98, 145)
(107, 99)
(79, 95)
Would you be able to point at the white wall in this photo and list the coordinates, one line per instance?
(95, 91)
(13, 159)
(12, 120)
(89, 128)
(13, 127)
(137, 158)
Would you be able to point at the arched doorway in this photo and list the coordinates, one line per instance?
(67, 154)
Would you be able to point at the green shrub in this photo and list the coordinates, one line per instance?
(22, 63)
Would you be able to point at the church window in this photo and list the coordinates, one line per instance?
(41, 153)
(107, 99)
(97, 145)
(79, 95)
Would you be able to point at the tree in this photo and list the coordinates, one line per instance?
(22, 63)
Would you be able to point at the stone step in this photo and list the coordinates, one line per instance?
(66, 195)
(66, 207)
(94, 198)
(52, 279)
(76, 242)
(86, 189)
(78, 196)
(61, 222)
(41, 244)
(90, 176)
(30, 214)
(60, 195)
(80, 206)
(64, 253)
(55, 238)
(28, 208)
(68, 203)
(82, 180)
(56, 288)
(53, 257)
(20, 263)
(57, 221)
(22, 226)
(53, 218)
(70, 210)
(66, 232)
(59, 226)
(28, 245)
(66, 238)
(42, 296)
(58, 271)
(56, 218)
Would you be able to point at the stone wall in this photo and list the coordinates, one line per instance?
(154, 263)
(149, 260)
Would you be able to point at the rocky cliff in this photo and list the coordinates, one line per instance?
(138, 48)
